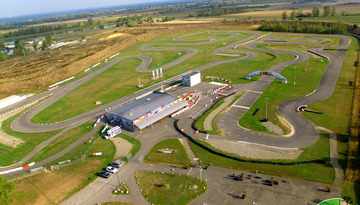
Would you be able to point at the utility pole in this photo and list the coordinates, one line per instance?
(295, 76)
(266, 115)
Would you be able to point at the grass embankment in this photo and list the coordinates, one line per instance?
(308, 75)
(178, 158)
(121, 79)
(62, 142)
(9, 155)
(169, 188)
(313, 172)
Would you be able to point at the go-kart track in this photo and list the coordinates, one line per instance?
(304, 132)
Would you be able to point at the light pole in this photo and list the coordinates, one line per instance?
(200, 173)
(266, 116)
(295, 76)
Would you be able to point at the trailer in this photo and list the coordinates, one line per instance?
(112, 132)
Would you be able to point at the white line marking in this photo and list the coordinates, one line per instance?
(189, 171)
(239, 106)
(254, 91)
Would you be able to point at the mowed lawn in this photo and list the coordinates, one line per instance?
(179, 157)
(169, 188)
(121, 79)
(62, 142)
(9, 155)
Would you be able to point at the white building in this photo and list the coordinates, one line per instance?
(191, 79)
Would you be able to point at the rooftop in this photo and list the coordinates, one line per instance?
(144, 105)
(191, 74)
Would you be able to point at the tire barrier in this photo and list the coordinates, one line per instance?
(317, 161)
(318, 54)
(222, 79)
(256, 111)
(53, 88)
(27, 105)
(300, 108)
(313, 111)
(17, 169)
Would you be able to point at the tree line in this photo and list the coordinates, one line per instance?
(297, 27)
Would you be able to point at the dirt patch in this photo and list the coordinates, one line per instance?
(112, 36)
(176, 21)
(123, 147)
(254, 151)
(272, 127)
(9, 140)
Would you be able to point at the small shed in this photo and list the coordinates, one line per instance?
(191, 79)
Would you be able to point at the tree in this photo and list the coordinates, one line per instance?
(284, 15)
(327, 11)
(293, 15)
(46, 43)
(343, 13)
(315, 12)
(35, 46)
(90, 22)
(348, 199)
(333, 11)
(6, 190)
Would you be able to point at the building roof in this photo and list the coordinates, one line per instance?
(158, 116)
(191, 74)
(142, 106)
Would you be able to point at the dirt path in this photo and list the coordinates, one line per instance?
(123, 147)
(339, 173)
(7, 139)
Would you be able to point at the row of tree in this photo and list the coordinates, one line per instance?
(315, 13)
(297, 27)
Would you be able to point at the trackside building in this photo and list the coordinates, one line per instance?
(145, 111)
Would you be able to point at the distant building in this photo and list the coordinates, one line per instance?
(191, 79)
(9, 46)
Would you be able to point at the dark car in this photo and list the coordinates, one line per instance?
(104, 174)
(116, 164)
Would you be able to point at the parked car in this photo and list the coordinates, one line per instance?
(116, 164)
(111, 169)
(104, 174)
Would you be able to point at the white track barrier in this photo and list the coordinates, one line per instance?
(25, 106)
(61, 82)
(17, 169)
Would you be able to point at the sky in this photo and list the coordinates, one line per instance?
(14, 8)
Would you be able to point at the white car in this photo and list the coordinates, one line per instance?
(111, 169)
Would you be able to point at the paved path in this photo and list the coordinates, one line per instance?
(334, 161)
(208, 120)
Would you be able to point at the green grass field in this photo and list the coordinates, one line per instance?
(121, 80)
(62, 142)
(178, 158)
(9, 155)
(169, 188)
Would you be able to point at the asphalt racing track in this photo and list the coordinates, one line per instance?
(305, 132)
